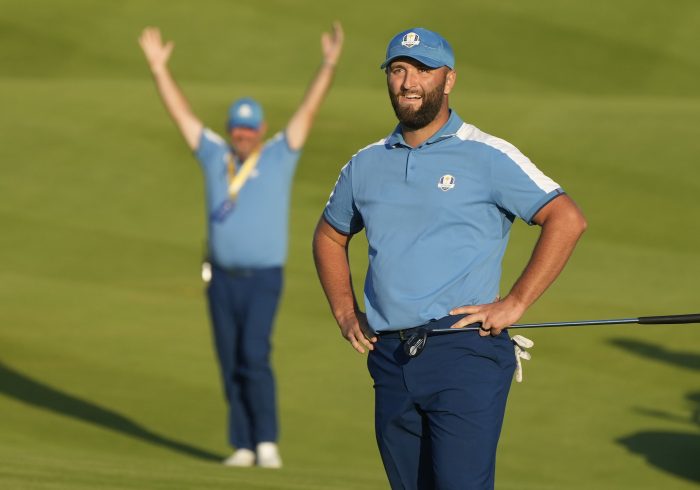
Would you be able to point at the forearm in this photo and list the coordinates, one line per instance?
(331, 258)
(300, 124)
(333, 268)
(559, 235)
(318, 88)
(177, 105)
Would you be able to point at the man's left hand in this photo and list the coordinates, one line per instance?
(332, 44)
(494, 317)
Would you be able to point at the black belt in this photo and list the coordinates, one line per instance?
(242, 271)
(403, 334)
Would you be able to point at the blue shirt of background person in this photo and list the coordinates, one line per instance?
(254, 232)
(247, 238)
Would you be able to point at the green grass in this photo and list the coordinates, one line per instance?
(107, 373)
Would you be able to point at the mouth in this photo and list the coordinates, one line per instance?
(410, 101)
(411, 98)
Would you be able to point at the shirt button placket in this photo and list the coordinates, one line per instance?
(410, 165)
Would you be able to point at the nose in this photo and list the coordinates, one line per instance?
(409, 79)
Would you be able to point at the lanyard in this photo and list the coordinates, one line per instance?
(236, 180)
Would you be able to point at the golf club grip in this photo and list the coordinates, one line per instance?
(668, 319)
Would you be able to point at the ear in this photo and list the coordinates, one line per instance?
(262, 129)
(450, 80)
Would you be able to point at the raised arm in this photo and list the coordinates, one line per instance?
(300, 124)
(157, 55)
(331, 258)
(562, 225)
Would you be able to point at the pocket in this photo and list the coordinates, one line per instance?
(370, 363)
(496, 349)
(503, 347)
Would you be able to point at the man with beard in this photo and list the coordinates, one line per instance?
(437, 199)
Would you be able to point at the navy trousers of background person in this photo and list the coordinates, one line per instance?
(242, 305)
(438, 416)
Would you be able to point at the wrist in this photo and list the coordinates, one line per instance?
(157, 69)
(515, 303)
(345, 315)
(328, 64)
(342, 316)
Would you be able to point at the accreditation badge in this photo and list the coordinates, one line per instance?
(221, 212)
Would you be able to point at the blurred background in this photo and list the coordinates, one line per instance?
(107, 372)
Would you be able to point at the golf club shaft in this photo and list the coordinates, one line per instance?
(642, 320)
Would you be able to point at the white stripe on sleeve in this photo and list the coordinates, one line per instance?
(213, 137)
(469, 132)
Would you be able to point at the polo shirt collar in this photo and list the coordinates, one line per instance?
(448, 130)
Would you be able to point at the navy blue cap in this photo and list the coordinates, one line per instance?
(245, 112)
(428, 47)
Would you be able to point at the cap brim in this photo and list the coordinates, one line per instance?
(427, 61)
(239, 124)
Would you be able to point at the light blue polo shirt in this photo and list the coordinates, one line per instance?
(253, 232)
(437, 219)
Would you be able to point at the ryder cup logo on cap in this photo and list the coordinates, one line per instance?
(420, 44)
(446, 182)
(246, 113)
(411, 39)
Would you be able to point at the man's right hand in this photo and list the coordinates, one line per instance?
(356, 330)
(157, 53)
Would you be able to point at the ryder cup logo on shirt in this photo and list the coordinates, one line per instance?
(446, 182)
(411, 39)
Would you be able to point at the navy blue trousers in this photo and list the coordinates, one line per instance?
(242, 306)
(438, 416)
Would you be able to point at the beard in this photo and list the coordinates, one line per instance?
(424, 115)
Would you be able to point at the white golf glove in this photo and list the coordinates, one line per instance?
(206, 271)
(520, 344)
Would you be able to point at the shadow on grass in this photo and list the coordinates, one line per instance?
(674, 452)
(683, 359)
(671, 451)
(38, 394)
